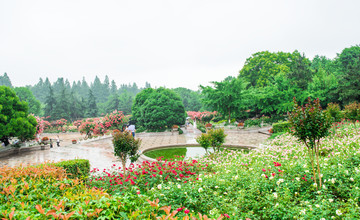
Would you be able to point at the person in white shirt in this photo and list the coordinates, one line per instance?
(131, 128)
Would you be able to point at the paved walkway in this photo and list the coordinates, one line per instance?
(101, 154)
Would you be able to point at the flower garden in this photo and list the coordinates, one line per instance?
(270, 183)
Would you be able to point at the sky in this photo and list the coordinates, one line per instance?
(166, 43)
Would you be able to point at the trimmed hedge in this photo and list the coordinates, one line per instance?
(77, 168)
(281, 127)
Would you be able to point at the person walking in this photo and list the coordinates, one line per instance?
(58, 141)
(51, 143)
(131, 128)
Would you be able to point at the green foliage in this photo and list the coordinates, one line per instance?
(201, 127)
(227, 97)
(281, 127)
(191, 99)
(252, 122)
(214, 138)
(180, 131)
(261, 68)
(158, 109)
(352, 111)
(14, 118)
(126, 147)
(26, 95)
(348, 62)
(5, 80)
(77, 168)
(92, 109)
(333, 109)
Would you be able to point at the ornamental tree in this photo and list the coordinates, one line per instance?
(214, 138)
(158, 109)
(126, 147)
(15, 120)
(310, 124)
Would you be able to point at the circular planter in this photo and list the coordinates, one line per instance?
(74, 142)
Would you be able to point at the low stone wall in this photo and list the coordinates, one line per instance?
(13, 150)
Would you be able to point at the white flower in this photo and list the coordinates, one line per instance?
(179, 186)
(322, 219)
(276, 204)
(159, 186)
(315, 184)
(162, 195)
(302, 212)
(296, 193)
(275, 195)
(200, 179)
(306, 171)
(216, 187)
(352, 179)
(262, 175)
(200, 190)
(271, 178)
(331, 200)
(297, 178)
(318, 206)
(346, 171)
(236, 177)
(338, 212)
(333, 180)
(319, 192)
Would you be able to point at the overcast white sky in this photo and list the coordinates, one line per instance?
(174, 43)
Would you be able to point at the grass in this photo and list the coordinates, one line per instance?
(169, 153)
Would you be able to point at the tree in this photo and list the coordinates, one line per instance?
(158, 109)
(227, 97)
(5, 80)
(261, 68)
(126, 147)
(190, 99)
(50, 103)
(349, 66)
(92, 110)
(125, 102)
(309, 124)
(15, 120)
(300, 73)
(62, 106)
(26, 95)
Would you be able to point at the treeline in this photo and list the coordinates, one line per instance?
(81, 99)
(268, 82)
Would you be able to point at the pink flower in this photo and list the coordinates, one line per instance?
(226, 215)
(263, 170)
(186, 211)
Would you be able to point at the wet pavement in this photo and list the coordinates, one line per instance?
(100, 151)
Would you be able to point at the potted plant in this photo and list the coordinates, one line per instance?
(44, 142)
(74, 141)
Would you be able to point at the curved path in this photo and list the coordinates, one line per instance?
(100, 151)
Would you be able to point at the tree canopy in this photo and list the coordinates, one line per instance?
(15, 120)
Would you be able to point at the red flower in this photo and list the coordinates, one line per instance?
(277, 164)
(186, 211)
(263, 170)
(273, 174)
(226, 215)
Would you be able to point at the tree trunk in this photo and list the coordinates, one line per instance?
(317, 160)
(229, 114)
(312, 164)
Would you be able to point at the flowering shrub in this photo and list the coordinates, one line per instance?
(201, 116)
(114, 120)
(126, 147)
(41, 125)
(45, 139)
(92, 126)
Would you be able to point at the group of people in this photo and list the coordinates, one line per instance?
(57, 142)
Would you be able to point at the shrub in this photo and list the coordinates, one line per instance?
(45, 139)
(281, 127)
(352, 111)
(201, 127)
(333, 109)
(252, 122)
(214, 138)
(78, 168)
(180, 131)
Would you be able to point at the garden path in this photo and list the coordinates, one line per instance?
(100, 151)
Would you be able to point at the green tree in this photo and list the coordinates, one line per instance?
(261, 68)
(349, 66)
(158, 109)
(190, 99)
(14, 118)
(92, 109)
(300, 72)
(125, 102)
(26, 95)
(227, 97)
(126, 147)
(50, 103)
(5, 80)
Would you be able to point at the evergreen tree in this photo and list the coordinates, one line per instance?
(92, 110)
(26, 95)
(50, 103)
(300, 73)
(113, 103)
(113, 87)
(62, 107)
(126, 100)
(5, 81)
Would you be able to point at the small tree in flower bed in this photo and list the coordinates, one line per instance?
(310, 124)
(126, 147)
(147, 175)
(214, 138)
(352, 112)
